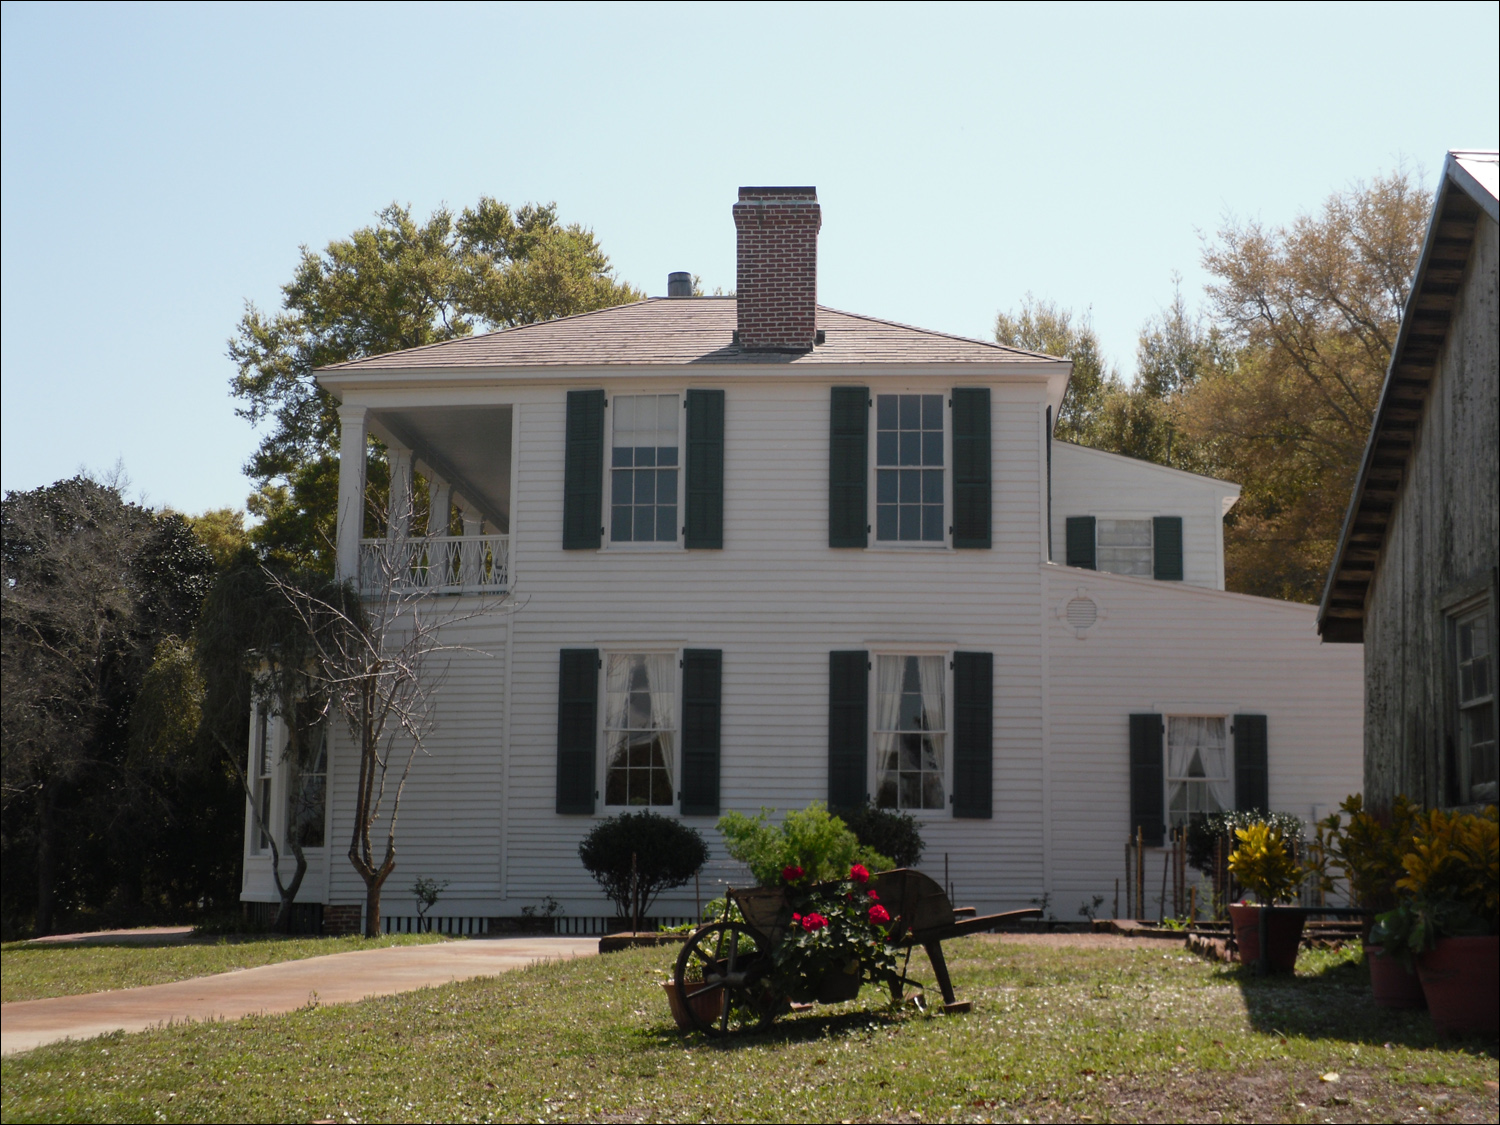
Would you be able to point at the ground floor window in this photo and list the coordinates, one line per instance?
(910, 732)
(306, 799)
(262, 775)
(640, 729)
(1199, 778)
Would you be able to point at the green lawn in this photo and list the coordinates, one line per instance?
(1058, 1034)
(30, 971)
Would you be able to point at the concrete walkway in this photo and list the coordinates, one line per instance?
(340, 978)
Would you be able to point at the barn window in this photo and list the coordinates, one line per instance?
(910, 732)
(640, 729)
(1474, 657)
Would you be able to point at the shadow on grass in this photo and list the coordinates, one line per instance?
(798, 1028)
(1335, 1002)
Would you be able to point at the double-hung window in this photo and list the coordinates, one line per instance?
(911, 732)
(306, 801)
(1475, 661)
(644, 469)
(909, 468)
(640, 729)
(1124, 547)
(263, 765)
(1200, 779)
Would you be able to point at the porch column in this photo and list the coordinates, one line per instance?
(440, 505)
(398, 513)
(471, 552)
(350, 520)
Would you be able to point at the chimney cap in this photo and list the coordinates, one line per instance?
(753, 193)
(679, 284)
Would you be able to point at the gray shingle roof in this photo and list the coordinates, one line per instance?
(686, 330)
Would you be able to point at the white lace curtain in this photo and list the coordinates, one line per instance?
(640, 695)
(1198, 777)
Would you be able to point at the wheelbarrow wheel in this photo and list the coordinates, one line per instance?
(724, 979)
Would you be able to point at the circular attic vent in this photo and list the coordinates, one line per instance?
(1082, 612)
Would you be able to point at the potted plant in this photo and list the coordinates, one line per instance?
(836, 940)
(1447, 918)
(1264, 866)
(1368, 851)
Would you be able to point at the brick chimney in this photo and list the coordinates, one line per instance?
(777, 280)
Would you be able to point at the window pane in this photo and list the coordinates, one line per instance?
(885, 412)
(620, 487)
(911, 486)
(886, 444)
(1124, 547)
(645, 487)
(886, 521)
(619, 524)
(911, 522)
(932, 448)
(622, 456)
(645, 455)
(666, 416)
(932, 412)
(666, 486)
(911, 447)
(624, 414)
(666, 524)
(932, 524)
(666, 455)
(885, 486)
(911, 412)
(932, 487)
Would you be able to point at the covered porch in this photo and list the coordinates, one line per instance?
(445, 525)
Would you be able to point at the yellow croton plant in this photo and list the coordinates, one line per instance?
(1455, 857)
(1263, 865)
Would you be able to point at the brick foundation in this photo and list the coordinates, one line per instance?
(339, 920)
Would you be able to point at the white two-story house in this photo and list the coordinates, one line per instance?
(758, 553)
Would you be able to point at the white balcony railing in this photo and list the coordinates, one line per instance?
(437, 564)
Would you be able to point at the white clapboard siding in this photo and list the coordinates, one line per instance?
(1089, 482)
(776, 600)
(1185, 651)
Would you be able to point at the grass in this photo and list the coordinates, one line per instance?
(31, 971)
(1058, 1033)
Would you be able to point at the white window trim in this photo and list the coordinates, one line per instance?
(1477, 607)
(872, 435)
(607, 514)
(872, 772)
(601, 769)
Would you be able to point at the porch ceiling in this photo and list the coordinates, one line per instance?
(467, 446)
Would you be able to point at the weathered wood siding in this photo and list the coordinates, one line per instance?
(1440, 548)
(1088, 482)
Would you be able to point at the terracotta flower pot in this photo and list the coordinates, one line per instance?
(1395, 985)
(1461, 977)
(838, 986)
(1283, 935)
(707, 1005)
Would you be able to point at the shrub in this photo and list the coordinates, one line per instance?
(887, 831)
(636, 856)
(812, 839)
(1204, 833)
(1263, 865)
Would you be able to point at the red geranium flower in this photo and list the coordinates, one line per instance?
(879, 915)
(791, 873)
(859, 873)
(873, 897)
(796, 917)
(812, 923)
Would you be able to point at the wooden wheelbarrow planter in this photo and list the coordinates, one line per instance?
(724, 972)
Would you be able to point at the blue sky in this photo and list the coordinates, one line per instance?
(161, 165)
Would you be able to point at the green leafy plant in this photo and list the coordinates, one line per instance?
(636, 856)
(1451, 885)
(887, 832)
(1367, 850)
(426, 891)
(836, 927)
(813, 839)
(1263, 865)
(1205, 832)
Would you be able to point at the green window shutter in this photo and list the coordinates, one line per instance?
(702, 670)
(1147, 780)
(1166, 543)
(1252, 782)
(583, 472)
(848, 729)
(849, 468)
(973, 733)
(971, 467)
(1081, 542)
(705, 470)
(577, 729)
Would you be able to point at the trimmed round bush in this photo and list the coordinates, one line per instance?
(666, 854)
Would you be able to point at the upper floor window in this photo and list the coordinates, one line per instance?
(1125, 547)
(1199, 779)
(1476, 706)
(644, 469)
(640, 729)
(910, 732)
(909, 465)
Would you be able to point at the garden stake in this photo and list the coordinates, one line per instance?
(1161, 903)
(1117, 893)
